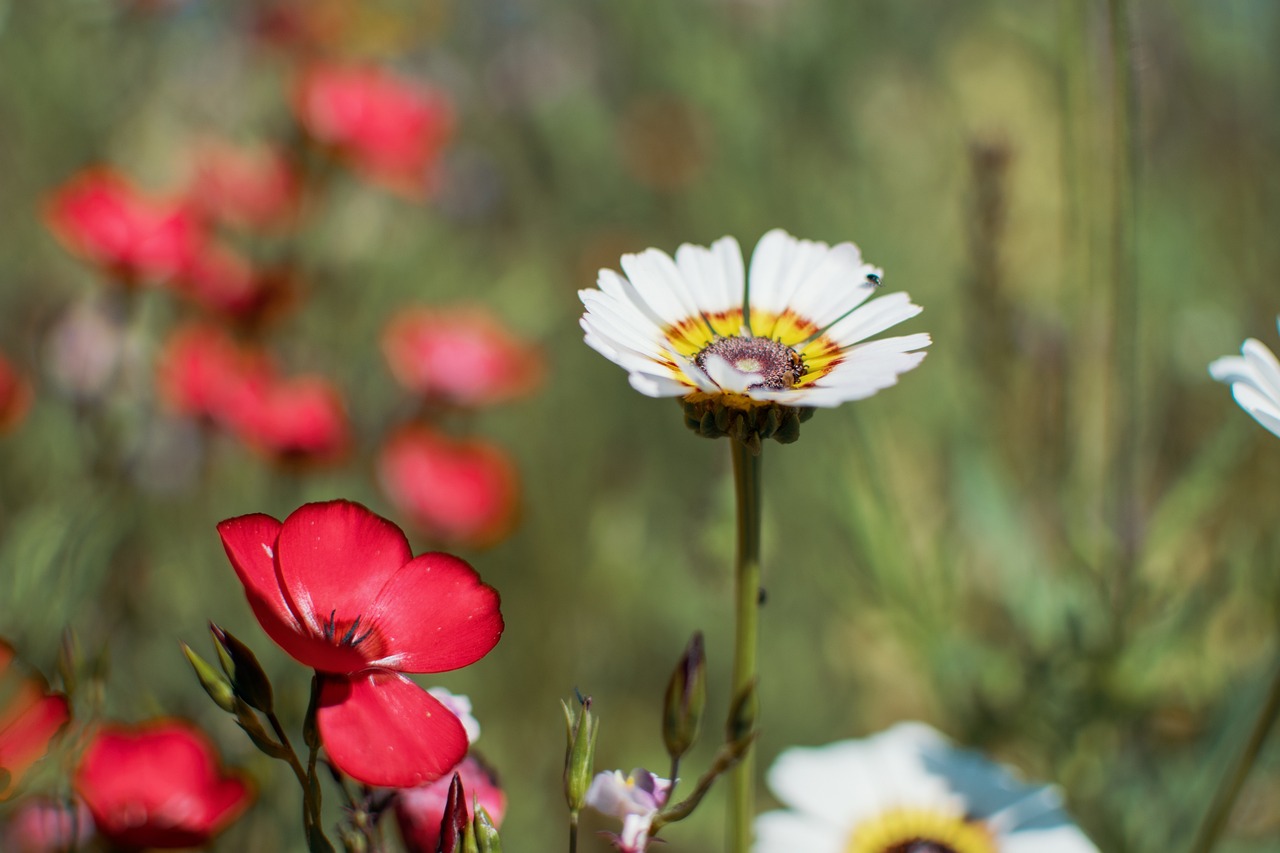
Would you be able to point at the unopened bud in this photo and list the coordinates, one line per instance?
(453, 824)
(241, 666)
(685, 700)
(218, 688)
(579, 756)
(486, 834)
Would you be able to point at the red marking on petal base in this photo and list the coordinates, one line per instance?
(382, 729)
(420, 810)
(158, 785)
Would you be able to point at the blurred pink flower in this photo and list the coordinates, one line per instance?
(460, 491)
(201, 368)
(250, 186)
(419, 811)
(293, 419)
(46, 826)
(136, 238)
(462, 356)
(389, 128)
(158, 785)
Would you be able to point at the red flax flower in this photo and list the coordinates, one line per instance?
(419, 811)
(293, 419)
(462, 491)
(15, 397)
(388, 128)
(462, 356)
(338, 588)
(105, 219)
(158, 785)
(29, 719)
(251, 186)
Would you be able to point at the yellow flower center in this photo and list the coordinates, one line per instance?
(920, 831)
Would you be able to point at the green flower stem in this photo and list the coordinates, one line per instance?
(311, 819)
(746, 477)
(1216, 819)
(573, 832)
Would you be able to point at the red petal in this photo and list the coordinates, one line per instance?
(435, 615)
(334, 558)
(382, 729)
(25, 735)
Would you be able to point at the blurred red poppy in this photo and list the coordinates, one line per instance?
(419, 811)
(462, 356)
(201, 368)
(105, 219)
(295, 419)
(15, 396)
(158, 785)
(224, 283)
(29, 719)
(249, 186)
(459, 491)
(338, 588)
(389, 128)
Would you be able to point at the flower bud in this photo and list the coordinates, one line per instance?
(218, 688)
(685, 700)
(579, 756)
(486, 834)
(241, 666)
(453, 825)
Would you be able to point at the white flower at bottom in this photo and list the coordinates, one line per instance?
(1254, 377)
(908, 790)
(635, 799)
(790, 331)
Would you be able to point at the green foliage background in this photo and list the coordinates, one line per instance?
(1065, 563)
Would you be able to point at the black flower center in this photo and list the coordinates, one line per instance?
(779, 366)
(351, 638)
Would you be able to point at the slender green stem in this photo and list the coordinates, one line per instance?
(1215, 821)
(1125, 399)
(573, 832)
(746, 477)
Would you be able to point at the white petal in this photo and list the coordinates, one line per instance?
(1263, 409)
(1265, 366)
(713, 275)
(728, 377)
(788, 832)
(1230, 368)
(656, 278)
(779, 265)
(873, 318)
(1064, 839)
(657, 386)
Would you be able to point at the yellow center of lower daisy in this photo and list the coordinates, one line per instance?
(920, 831)
(780, 367)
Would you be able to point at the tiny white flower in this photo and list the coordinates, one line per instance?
(460, 705)
(1254, 377)
(909, 790)
(635, 799)
(792, 330)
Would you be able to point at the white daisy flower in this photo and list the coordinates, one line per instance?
(1254, 377)
(908, 790)
(792, 331)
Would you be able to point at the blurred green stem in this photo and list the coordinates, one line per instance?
(746, 478)
(1125, 403)
(1216, 820)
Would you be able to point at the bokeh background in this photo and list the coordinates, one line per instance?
(1055, 540)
